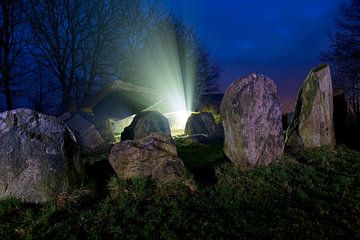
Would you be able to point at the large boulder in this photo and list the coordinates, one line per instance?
(39, 156)
(251, 116)
(202, 127)
(312, 124)
(154, 156)
(91, 132)
(145, 123)
(200, 123)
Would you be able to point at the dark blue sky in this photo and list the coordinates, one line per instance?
(280, 38)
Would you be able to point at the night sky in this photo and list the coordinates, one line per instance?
(281, 39)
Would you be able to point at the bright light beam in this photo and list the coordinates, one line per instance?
(168, 65)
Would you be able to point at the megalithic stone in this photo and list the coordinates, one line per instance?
(251, 117)
(312, 124)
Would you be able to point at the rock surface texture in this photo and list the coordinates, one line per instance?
(202, 127)
(154, 156)
(312, 124)
(251, 117)
(39, 156)
(145, 123)
(92, 133)
(200, 123)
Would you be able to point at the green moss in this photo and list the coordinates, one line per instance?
(11, 120)
(218, 119)
(309, 92)
(304, 101)
(307, 135)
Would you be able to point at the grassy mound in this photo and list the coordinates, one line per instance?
(307, 194)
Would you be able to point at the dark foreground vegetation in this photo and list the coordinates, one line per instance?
(311, 194)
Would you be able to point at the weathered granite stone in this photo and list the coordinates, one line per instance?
(39, 156)
(92, 133)
(200, 123)
(145, 123)
(154, 156)
(251, 116)
(312, 124)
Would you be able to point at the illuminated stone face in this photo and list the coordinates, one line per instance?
(177, 121)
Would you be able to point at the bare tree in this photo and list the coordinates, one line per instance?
(11, 45)
(135, 21)
(102, 18)
(344, 54)
(58, 32)
(87, 44)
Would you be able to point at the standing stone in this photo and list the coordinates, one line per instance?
(154, 156)
(39, 156)
(251, 116)
(145, 123)
(312, 124)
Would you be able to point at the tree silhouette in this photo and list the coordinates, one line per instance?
(344, 54)
(85, 45)
(11, 46)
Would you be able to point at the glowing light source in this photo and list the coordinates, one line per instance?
(177, 121)
(166, 63)
(118, 126)
(169, 68)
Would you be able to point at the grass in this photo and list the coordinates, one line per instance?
(312, 194)
(201, 160)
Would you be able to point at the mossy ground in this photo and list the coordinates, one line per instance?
(313, 194)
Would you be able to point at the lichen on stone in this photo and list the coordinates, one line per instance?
(313, 110)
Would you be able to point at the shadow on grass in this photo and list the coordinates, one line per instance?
(201, 160)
